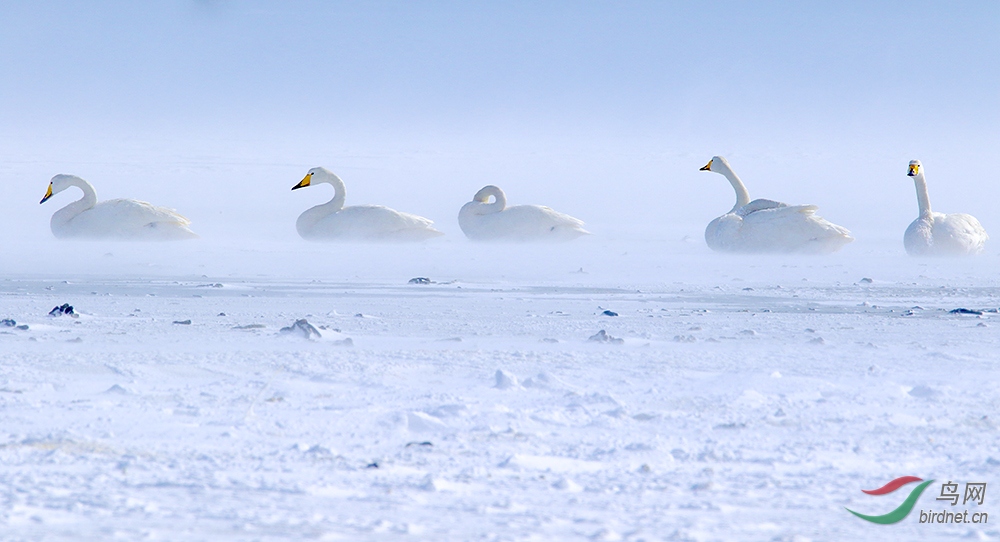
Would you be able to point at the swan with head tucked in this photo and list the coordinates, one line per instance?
(769, 226)
(120, 219)
(484, 221)
(938, 234)
(332, 221)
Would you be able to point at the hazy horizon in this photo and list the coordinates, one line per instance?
(603, 111)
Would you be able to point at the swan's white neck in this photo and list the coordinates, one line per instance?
(314, 214)
(742, 195)
(483, 197)
(69, 212)
(923, 200)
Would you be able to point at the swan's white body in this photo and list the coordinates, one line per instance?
(769, 226)
(939, 234)
(481, 220)
(332, 221)
(117, 219)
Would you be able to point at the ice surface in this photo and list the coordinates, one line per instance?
(750, 399)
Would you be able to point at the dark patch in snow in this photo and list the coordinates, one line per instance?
(420, 444)
(303, 328)
(965, 311)
(8, 322)
(64, 309)
(182, 322)
(731, 425)
(923, 392)
(603, 337)
(419, 280)
(117, 390)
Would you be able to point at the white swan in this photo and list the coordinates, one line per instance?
(332, 221)
(769, 226)
(121, 219)
(485, 221)
(938, 234)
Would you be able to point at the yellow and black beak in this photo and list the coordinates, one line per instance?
(708, 166)
(302, 184)
(48, 194)
(914, 169)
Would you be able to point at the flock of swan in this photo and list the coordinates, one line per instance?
(757, 226)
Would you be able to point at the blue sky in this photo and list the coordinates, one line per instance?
(626, 91)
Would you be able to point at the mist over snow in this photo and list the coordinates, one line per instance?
(605, 112)
(629, 385)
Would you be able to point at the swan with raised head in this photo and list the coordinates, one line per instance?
(119, 219)
(764, 225)
(482, 220)
(332, 221)
(939, 234)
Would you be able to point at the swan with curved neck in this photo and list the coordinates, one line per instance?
(769, 226)
(120, 219)
(939, 234)
(331, 221)
(719, 164)
(483, 220)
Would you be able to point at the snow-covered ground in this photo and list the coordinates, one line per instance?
(748, 398)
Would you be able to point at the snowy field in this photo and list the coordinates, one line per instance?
(747, 398)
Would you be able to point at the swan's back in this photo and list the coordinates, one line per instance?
(519, 223)
(123, 219)
(939, 234)
(770, 226)
(366, 223)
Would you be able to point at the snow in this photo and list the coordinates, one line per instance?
(749, 399)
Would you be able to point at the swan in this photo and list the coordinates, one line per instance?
(938, 234)
(332, 221)
(764, 225)
(485, 221)
(120, 219)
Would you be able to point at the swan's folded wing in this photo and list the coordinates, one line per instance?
(962, 229)
(374, 222)
(759, 205)
(128, 219)
(532, 221)
(140, 213)
(792, 228)
(562, 218)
